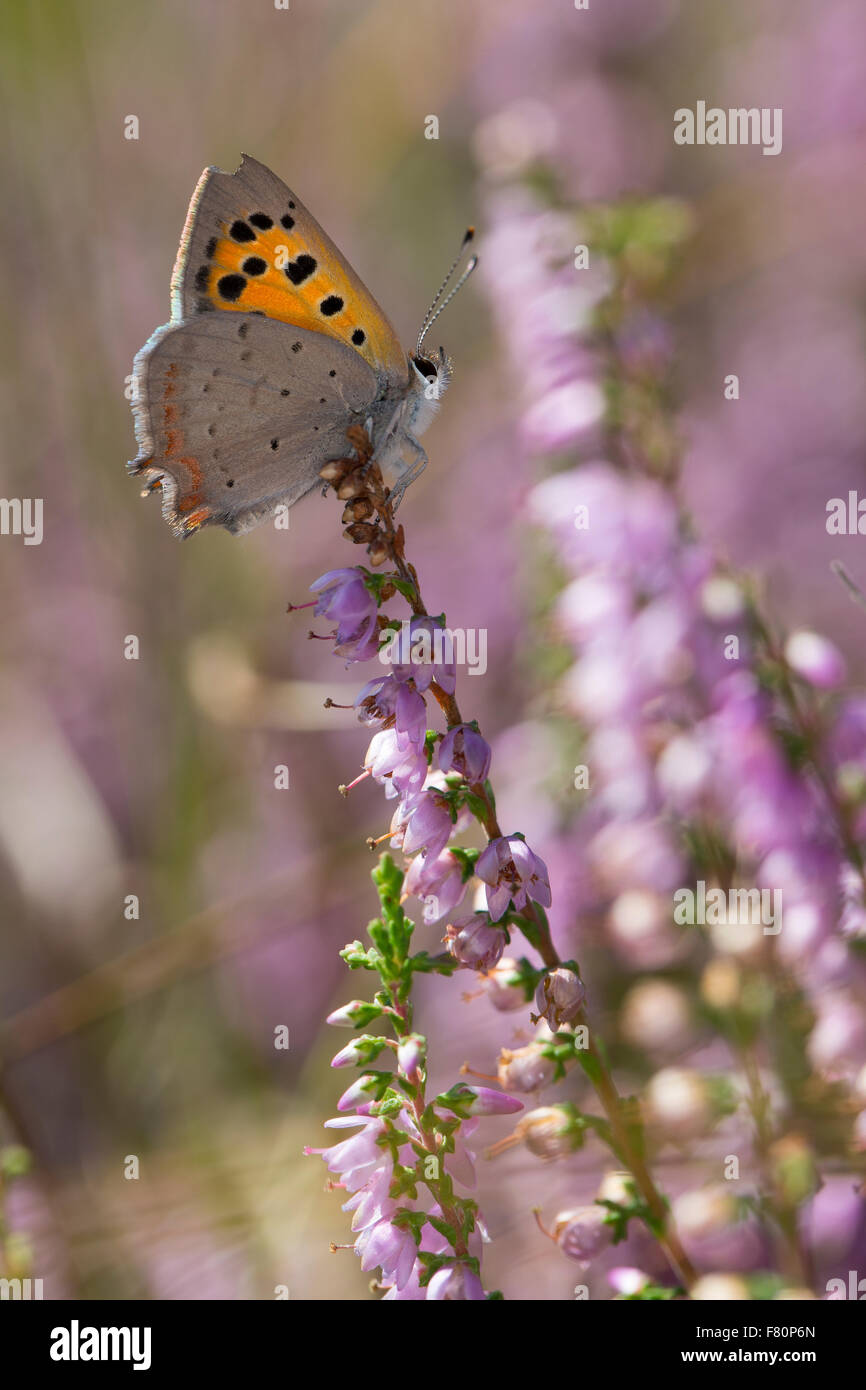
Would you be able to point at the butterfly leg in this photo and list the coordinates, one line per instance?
(415, 469)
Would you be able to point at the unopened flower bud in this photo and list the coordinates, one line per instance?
(559, 997)
(475, 942)
(478, 1100)
(350, 1055)
(353, 1015)
(582, 1233)
(359, 1093)
(526, 1069)
(549, 1132)
(412, 1054)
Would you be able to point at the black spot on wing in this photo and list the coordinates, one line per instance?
(254, 265)
(331, 305)
(240, 231)
(301, 269)
(262, 221)
(359, 337)
(231, 287)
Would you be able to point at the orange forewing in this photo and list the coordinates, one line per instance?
(250, 245)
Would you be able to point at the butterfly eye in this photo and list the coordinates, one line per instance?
(425, 367)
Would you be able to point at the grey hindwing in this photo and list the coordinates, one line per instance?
(236, 413)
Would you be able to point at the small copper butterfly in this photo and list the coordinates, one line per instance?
(275, 347)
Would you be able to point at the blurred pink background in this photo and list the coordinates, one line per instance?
(154, 777)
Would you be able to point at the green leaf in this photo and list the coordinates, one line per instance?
(404, 587)
(591, 1065)
(467, 859)
(357, 957)
(650, 1293)
(444, 1229)
(423, 964)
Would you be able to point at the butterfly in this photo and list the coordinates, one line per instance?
(274, 349)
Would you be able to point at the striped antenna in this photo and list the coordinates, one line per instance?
(432, 312)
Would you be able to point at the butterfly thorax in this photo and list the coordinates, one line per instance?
(397, 450)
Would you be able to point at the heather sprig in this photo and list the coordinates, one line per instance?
(441, 783)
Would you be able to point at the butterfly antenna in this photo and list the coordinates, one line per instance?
(429, 316)
(446, 301)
